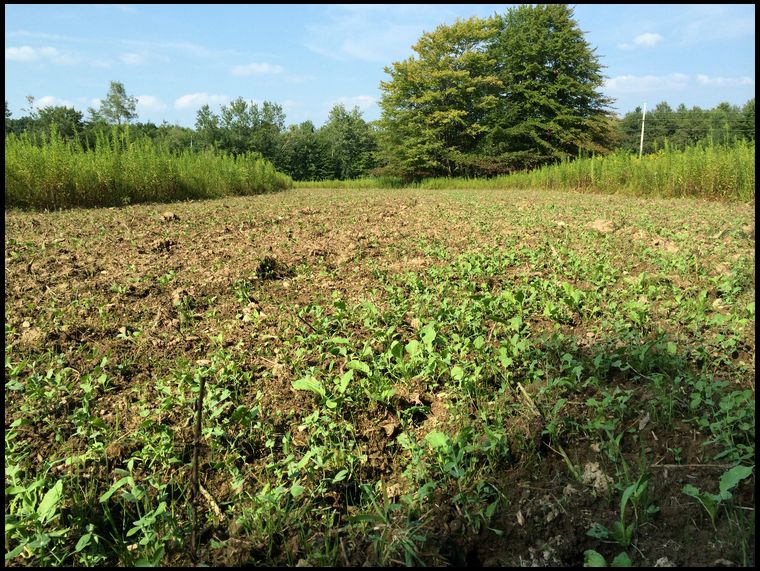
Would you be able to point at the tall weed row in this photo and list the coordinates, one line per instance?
(716, 172)
(704, 171)
(58, 174)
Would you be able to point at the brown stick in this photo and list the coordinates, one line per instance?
(690, 465)
(196, 480)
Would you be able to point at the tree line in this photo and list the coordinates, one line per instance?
(480, 97)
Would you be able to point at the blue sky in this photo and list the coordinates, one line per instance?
(307, 58)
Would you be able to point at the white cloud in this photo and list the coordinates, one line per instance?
(52, 101)
(127, 8)
(645, 40)
(30, 54)
(24, 53)
(257, 69)
(150, 103)
(724, 81)
(641, 83)
(363, 102)
(195, 100)
(132, 58)
(101, 63)
(702, 23)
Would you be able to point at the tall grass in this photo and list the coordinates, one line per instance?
(718, 172)
(56, 173)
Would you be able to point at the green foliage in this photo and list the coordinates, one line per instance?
(553, 108)
(306, 153)
(487, 96)
(434, 107)
(593, 558)
(349, 142)
(117, 107)
(728, 481)
(713, 172)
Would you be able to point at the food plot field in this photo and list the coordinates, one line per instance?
(392, 377)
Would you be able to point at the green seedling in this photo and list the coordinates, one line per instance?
(621, 532)
(728, 481)
(593, 558)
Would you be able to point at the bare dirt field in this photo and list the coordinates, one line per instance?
(392, 377)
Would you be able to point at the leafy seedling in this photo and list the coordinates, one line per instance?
(728, 481)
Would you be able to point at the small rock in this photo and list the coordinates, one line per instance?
(594, 476)
(664, 562)
(169, 216)
(602, 226)
(718, 303)
(569, 491)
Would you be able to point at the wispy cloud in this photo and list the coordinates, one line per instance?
(643, 83)
(195, 100)
(52, 101)
(143, 57)
(150, 103)
(142, 46)
(127, 8)
(132, 58)
(372, 32)
(257, 69)
(703, 23)
(725, 81)
(645, 40)
(28, 54)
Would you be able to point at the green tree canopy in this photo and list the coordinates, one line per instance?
(67, 120)
(435, 105)
(305, 153)
(117, 107)
(551, 106)
(484, 96)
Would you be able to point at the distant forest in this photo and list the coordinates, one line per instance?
(347, 146)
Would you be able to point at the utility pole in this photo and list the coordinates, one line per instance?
(641, 142)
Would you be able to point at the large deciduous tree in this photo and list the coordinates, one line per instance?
(551, 106)
(306, 155)
(435, 106)
(68, 121)
(492, 95)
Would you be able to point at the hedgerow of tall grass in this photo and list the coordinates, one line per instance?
(718, 172)
(56, 173)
